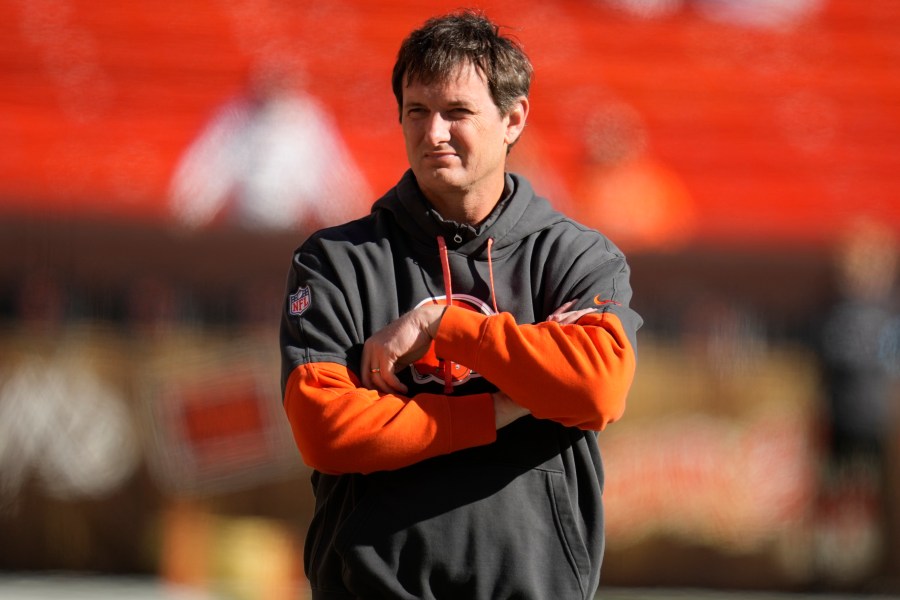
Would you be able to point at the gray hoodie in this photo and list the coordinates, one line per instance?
(512, 514)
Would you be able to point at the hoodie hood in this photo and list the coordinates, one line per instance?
(519, 214)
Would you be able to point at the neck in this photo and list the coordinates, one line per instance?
(469, 207)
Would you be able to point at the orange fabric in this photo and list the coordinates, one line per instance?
(448, 291)
(578, 375)
(340, 427)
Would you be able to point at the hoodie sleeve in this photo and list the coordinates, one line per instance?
(576, 374)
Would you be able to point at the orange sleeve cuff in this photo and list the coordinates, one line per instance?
(460, 333)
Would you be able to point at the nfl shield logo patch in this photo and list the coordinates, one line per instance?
(299, 301)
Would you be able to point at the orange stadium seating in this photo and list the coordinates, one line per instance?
(766, 134)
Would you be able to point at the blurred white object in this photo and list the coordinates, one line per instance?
(648, 9)
(271, 160)
(58, 419)
(760, 13)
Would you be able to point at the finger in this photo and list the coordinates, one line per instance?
(565, 307)
(573, 316)
(390, 383)
(385, 380)
(554, 316)
(377, 381)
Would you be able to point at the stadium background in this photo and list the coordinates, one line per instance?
(727, 146)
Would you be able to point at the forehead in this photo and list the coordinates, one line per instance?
(464, 83)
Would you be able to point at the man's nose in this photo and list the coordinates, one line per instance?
(438, 130)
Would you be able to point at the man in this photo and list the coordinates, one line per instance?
(449, 358)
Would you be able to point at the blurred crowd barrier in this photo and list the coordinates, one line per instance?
(718, 477)
(163, 451)
(140, 452)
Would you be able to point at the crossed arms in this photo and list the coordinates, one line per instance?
(575, 368)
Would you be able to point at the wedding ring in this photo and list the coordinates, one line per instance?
(375, 371)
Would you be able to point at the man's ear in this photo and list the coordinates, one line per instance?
(517, 116)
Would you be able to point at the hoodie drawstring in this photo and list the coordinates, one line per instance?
(448, 293)
(490, 243)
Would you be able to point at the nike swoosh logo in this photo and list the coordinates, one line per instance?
(600, 302)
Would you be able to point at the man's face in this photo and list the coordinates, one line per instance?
(456, 138)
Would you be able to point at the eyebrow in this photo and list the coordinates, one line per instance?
(462, 103)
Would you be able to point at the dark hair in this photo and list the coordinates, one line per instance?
(445, 44)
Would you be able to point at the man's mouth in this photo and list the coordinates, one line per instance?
(441, 157)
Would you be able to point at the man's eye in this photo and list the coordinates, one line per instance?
(415, 112)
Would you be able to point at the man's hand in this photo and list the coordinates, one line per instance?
(563, 316)
(506, 411)
(398, 345)
(408, 338)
